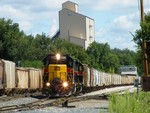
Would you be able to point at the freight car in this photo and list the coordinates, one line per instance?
(64, 76)
(28, 79)
(18, 79)
(7, 76)
(94, 79)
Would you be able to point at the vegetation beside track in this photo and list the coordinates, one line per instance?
(130, 103)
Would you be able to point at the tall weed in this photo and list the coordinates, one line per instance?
(129, 103)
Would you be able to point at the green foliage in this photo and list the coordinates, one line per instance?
(9, 36)
(41, 46)
(34, 63)
(129, 103)
(126, 56)
(98, 53)
(17, 46)
(144, 32)
(140, 34)
(64, 47)
(105, 59)
(139, 63)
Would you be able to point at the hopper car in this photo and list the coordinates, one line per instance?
(18, 80)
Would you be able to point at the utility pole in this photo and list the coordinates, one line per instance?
(145, 78)
(144, 43)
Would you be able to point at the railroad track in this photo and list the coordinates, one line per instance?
(46, 102)
(5, 98)
(42, 103)
(8, 98)
(20, 107)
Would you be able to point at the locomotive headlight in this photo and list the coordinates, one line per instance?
(47, 84)
(58, 56)
(65, 84)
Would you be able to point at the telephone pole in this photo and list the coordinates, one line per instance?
(145, 78)
(144, 43)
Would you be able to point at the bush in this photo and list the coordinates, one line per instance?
(130, 103)
(35, 64)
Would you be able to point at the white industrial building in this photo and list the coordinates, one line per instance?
(75, 27)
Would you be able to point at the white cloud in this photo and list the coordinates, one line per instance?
(53, 28)
(18, 16)
(25, 26)
(122, 23)
(100, 35)
(102, 5)
(32, 17)
(10, 12)
(117, 32)
(122, 42)
(125, 23)
(115, 40)
(51, 3)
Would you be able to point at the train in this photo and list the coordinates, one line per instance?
(19, 80)
(64, 76)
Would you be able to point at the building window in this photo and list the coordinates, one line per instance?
(90, 26)
(91, 38)
(69, 14)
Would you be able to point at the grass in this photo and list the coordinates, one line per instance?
(130, 103)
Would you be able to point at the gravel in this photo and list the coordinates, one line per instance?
(88, 106)
(18, 101)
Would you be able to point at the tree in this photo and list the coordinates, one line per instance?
(111, 63)
(16, 46)
(61, 46)
(126, 56)
(140, 34)
(9, 36)
(102, 58)
(42, 45)
(94, 52)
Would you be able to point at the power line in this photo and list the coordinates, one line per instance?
(148, 7)
(138, 4)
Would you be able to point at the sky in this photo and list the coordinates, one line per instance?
(115, 20)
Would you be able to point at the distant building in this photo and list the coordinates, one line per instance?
(128, 70)
(75, 27)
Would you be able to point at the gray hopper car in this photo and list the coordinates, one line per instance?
(18, 79)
